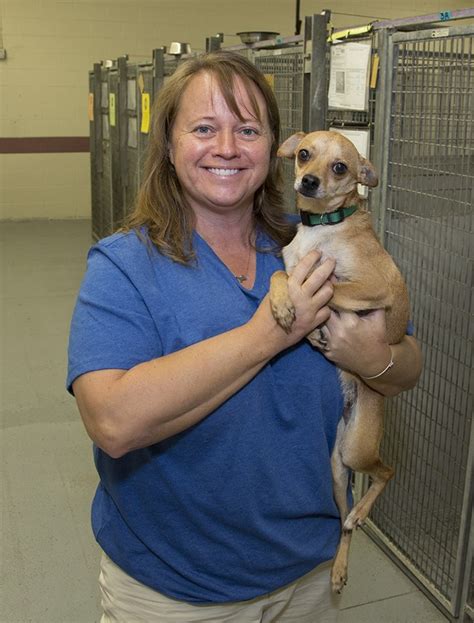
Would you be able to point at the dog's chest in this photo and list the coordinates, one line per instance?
(324, 238)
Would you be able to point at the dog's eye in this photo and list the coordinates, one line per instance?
(303, 155)
(339, 168)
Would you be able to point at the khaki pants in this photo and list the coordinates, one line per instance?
(308, 600)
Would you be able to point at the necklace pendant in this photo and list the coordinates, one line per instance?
(241, 278)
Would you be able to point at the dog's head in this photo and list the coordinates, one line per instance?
(327, 165)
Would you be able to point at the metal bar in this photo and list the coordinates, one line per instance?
(123, 126)
(318, 104)
(213, 43)
(306, 74)
(425, 35)
(267, 43)
(158, 69)
(97, 139)
(466, 539)
(443, 16)
(385, 131)
(379, 152)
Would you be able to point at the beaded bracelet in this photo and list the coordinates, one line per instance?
(376, 376)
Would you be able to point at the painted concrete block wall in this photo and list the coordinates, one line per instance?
(52, 44)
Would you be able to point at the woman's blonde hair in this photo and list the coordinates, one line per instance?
(160, 203)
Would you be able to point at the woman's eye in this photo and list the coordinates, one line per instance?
(203, 129)
(303, 155)
(250, 132)
(339, 168)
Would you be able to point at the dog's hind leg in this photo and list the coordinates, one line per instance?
(340, 475)
(360, 450)
(379, 474)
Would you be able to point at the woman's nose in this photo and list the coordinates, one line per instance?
(226, 144)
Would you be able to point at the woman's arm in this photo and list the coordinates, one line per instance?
(405, 371)
(127, 410)
(359, 344)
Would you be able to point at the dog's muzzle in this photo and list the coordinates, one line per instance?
(309, 185)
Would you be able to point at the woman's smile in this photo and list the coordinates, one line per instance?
(223, 172)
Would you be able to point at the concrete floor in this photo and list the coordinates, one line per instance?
(49, 559)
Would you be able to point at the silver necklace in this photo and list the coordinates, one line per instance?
(244, 276)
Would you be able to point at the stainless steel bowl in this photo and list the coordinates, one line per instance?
(254, 36)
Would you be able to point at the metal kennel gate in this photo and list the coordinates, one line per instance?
(283, 69)
(101, 165)
(121, 95)
(424, 120)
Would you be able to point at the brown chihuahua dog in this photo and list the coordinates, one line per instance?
(335, 221)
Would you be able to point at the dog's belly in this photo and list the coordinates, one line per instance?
(324, 239)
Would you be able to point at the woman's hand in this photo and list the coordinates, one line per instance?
(359, 344)
(310, 289)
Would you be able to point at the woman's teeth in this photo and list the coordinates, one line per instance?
(224, 172)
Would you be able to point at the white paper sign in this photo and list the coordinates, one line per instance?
(349, 76)
(361, 140)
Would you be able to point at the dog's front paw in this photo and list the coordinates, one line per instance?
(282, 308)
(284, 313)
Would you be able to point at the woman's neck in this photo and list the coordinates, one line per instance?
(233, 241)
(226, 229)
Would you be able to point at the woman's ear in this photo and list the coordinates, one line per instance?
(170, 154)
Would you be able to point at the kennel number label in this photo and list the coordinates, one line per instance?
(90, 107)
(145, 125)
(112, 109)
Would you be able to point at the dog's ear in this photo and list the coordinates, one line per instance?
(367, 175)
(288, 148)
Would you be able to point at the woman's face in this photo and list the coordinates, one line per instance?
(220, 160)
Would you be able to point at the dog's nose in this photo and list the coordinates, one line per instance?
(310, 183)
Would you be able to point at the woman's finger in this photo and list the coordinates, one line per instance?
(304, 267)
(320, 276)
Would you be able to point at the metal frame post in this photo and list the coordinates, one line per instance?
(213, 43)
(315, 101)
(97, 139)
(465, 550)
(123, 127)
(381, 147)
(413, 225)
(158, 69)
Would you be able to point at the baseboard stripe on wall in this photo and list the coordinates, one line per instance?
(44, 144)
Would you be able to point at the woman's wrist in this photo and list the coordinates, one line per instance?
(265, 336)
(382, 371)
(403, 374)
(378, 367)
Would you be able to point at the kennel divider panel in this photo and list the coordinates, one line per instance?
(426, 512)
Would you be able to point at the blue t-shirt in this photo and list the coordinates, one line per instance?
(241, 503)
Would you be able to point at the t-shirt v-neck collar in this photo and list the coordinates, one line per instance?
(207, 249)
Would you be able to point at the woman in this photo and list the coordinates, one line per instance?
(213, 428)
